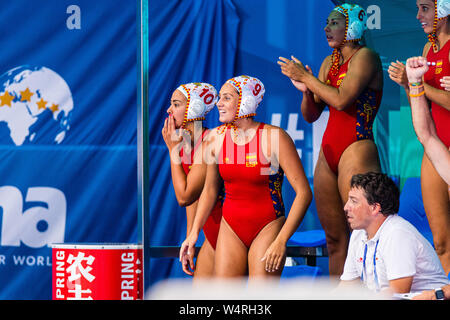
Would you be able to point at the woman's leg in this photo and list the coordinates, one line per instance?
(360, 157)
(436, 202)
(231, 254)
(256, 267)
(330, 211)
(204, 266)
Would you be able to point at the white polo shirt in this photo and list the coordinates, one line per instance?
(396, 251)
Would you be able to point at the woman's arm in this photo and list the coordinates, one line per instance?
(397, 71)
(287, 157)
(190, 215)
(187, 187)
(206, 202)
(438, 96)
(363, 68)
(293, 169)
(361, 71)
(423, 123)
(205, 205)
(311, 105)
(207, 198)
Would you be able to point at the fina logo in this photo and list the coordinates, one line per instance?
(35, 106)
(37, 226)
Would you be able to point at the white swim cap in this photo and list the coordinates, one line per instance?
(201, 98)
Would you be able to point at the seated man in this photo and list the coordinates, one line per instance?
(386, 251)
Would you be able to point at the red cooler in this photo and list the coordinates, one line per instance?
(97, 272)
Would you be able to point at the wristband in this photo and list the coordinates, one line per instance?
(421, 93)
(417, 95)
(415, 84)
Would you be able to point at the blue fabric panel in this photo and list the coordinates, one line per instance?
(189, 41)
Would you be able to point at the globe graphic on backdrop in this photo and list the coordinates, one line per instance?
(35, 106)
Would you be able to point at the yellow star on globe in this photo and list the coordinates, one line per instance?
(54, 107)
(26, 95)
(6, 99)
(41, 104)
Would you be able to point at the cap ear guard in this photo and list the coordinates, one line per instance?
(196, 108)
(442, 8)
(247, 107)
(251, 92)
(201, 98)
(355, 25)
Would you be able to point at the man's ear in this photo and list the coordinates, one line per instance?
(376, 208)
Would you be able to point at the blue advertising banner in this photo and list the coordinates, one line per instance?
(67, 133)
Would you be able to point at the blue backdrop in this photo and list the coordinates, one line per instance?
(67, 133)
(212, 41)
(189, 41)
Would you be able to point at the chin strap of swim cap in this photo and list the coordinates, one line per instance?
(251, 92)
(355, 25)
(441, 11)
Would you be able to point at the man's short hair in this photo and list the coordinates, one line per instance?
(378, 188)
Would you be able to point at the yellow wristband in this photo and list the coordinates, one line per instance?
(421, 93)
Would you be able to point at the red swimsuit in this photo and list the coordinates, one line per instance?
(351, 124)
(252, 200)
(441, 116)
(212, 225)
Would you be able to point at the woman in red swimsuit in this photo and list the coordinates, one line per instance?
(433, 16)
(250, 158)
(350, 82)
(188, 106)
